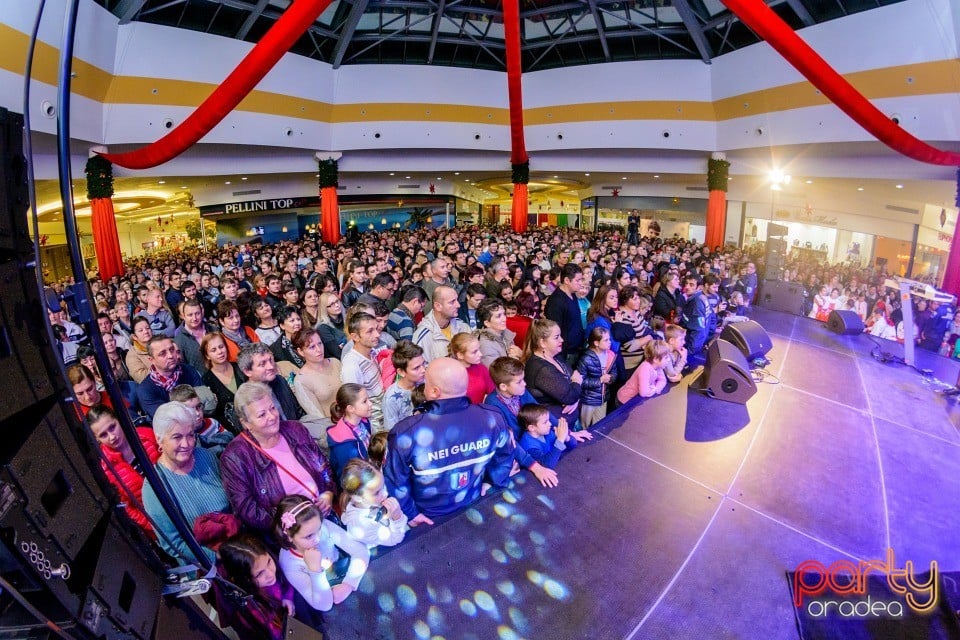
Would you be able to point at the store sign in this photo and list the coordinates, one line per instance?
(807, 216)
(255, 206)
(935, 239)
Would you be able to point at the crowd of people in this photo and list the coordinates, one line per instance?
(863, 290)
(305, 403)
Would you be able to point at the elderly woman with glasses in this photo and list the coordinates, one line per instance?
(270, 459)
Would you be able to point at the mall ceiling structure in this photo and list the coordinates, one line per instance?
(469, 33)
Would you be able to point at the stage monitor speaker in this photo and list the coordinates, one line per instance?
(782, 296)
(845, 322)
(749, 337)
(726, 376)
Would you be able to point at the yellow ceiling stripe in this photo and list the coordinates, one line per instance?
(925, 78)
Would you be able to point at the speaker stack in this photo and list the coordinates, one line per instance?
(777, 295)
(726, 375)
(776, 251)
(63, 547)
(845, 322)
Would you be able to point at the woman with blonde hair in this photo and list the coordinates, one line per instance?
(331, 324)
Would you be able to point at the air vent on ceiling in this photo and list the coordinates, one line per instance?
(902, 209)
(248, 192)
(408, 186)
(697, 188)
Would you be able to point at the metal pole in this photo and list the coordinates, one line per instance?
(84, 303)
(446, 216)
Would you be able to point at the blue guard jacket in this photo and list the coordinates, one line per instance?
(436, 461)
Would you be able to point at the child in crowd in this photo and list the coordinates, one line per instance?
(465, 348)
(657, 323)
(677, 360)
(598, 366)
(368, 513)
(511, 394)
(517, 323)
(539, 438)
(649, 379)
(736, 310)
(378, 448)
(311, 558)
(245, 561)
(349, 436)
(407, 359)
(210, 433)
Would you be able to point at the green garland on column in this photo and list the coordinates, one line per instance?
(521, 173)
(329, 175)
(718, 174)
(99, 178)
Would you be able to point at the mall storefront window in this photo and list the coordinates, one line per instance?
(659, 217)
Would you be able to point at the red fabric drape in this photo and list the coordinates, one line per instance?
(518, 149)
(951, 276)
(769, 26)
(511, 33)
(518, 219)
(329, 215)
(716, 218)
(241, 81)
(106, 242)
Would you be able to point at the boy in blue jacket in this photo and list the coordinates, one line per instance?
(539, 438)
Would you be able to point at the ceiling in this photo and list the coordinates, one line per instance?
(469, 33)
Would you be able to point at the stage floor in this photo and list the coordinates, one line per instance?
(683, 517)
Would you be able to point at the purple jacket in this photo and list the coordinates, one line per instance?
(252, 480)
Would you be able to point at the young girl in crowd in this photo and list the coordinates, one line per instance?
(649, 378)
(311, 557)
(368, 513)
(245, 561)
(598, 366)
(349, 436)
(465, 347)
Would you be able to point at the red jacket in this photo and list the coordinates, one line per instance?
(129, 478)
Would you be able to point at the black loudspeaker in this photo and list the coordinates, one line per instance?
(14, 236)
(124, 592)
(60, 495)
(774, 259)
(24, 377)
(726, 376)
(845, 322)
(749, 337)
(782, 296)
(61, 549)
(775, 230)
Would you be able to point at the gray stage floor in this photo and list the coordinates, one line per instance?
(684, 515)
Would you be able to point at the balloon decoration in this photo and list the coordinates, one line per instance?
(329, 208)
(106, 241)
(718, 177)
(518, 152)
(768, 25)
(265, 54)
